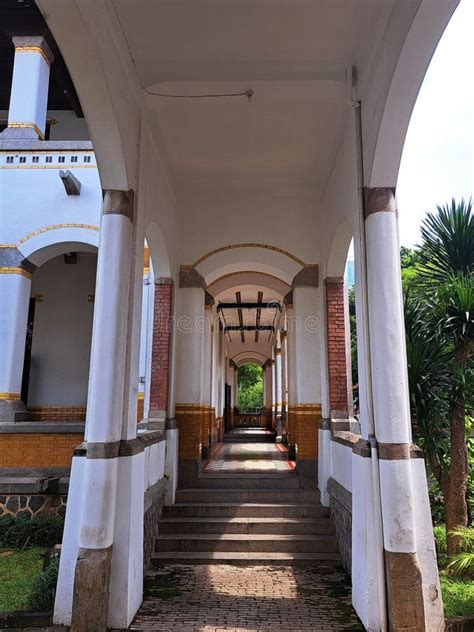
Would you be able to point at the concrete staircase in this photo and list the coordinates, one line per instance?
(249, 435)
(247, 520)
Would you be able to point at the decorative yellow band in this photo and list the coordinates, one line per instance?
(54, 227)
(19, 271)
(12, 396)
(33, 49)
(29, 125)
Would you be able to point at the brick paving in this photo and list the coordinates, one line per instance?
(249, 457)
(224, 597)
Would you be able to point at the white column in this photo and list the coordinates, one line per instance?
(29, 94)
(291, 371)
(206, 381)
(403, 531)
(15, 286)
(274, 391)
(99, 534)
(278, 393)
(307, 370)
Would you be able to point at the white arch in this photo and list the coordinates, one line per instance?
(249, 357)
(238, 279)
(339, 248)
(39, 247)
(425, 32)
(81, 33)
(158, 251)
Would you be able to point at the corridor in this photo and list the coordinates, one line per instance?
(256, 551)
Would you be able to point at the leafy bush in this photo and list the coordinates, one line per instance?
(21, 531)
(462, 563)
(43, 589)
(250, 388)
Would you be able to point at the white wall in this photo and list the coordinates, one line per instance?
(62, 331)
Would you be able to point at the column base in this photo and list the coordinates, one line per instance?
(12, 410)
(405, 591)
(307, 471)
(91, 590)
(188, 473)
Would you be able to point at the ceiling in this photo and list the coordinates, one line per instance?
(292, 53)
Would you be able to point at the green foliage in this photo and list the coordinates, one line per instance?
(354, 365)
(17, 572)
(250, 387)
(462, 563)
(458, 596)
(21, 531)
(43, 589)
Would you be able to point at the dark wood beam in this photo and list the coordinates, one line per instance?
(240, 305)
(259, 314)
(250, 328)
(238, 297)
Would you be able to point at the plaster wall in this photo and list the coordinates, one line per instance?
(62, 331)
(341, 464)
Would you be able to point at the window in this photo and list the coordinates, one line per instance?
(9, 160)
(22, 159)
(49, 159)
(73, 158)
(87, 158)
(35, 159)
(62, 159)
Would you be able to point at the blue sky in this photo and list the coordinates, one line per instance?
(437, 162)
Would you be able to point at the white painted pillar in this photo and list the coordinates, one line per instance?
(278, 392)
(291, 372)
(29, 94)
(15, 286)
(189, 369)
(274, 391)
(206, 381)
(412, 603)
(307, 370)
(284, 375)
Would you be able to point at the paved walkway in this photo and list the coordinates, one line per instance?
(249, 457)
(266, 598)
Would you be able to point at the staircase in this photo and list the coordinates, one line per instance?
(249, 519)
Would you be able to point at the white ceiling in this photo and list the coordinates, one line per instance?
(292, 53)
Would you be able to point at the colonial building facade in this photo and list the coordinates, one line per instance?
(198, 219)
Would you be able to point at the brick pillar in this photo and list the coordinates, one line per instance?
(338, 352)
(160, 355)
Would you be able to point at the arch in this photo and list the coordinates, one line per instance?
(44, 244)
(73, 26)
(237, 279)
(249, 357)
(419, 46)
(158, 250)
(248, 245)
(340, 244)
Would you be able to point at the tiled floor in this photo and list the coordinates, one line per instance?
(224, 597)
(249, 457)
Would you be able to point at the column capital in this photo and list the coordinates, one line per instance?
(306, 277)
(33, 44)
(208, 300)
(190, 277)
(334, 280)
(117, 202)
(379, 200)
(163, 281)
(288, 300)
(11, 260)
(232, 364)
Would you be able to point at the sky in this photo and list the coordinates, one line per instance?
(438, 157)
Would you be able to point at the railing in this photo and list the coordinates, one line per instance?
(249, 420)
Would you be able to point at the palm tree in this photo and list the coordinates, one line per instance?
(440, 338)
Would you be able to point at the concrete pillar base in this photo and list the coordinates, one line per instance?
(405, 591)
(307, 471)
(91, 590)
(12, 411)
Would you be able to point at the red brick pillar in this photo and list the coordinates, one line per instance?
(160, 354)
(338, 352)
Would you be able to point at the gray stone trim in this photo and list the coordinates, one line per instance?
(34, 472)
(149, 438)
(163, 281)
(80, 450)
(34, 484)
(362, 448)
(190, 277)
(118, 203)
(399, 451)
(91, 590)
(155, 493)
(42, 427)
(324, 424)
(345, 437)
(45, 145)
(171, 424)
(37, 41)
(379, 200)
(13, 258)
(340, 493)
(105, 450)
(208, 299)
(72, 185)
(306, 277)
(334, 280)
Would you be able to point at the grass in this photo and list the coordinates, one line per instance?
(458, 596)
(17, 573)
(458, 592)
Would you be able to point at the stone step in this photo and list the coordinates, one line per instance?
(320, 560)
(309, 526)
(245, 510)
(198, 495)
(250, 437)
(229, 480)
(234, 543)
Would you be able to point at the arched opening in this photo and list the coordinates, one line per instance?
(57, 352)
(250, 389)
